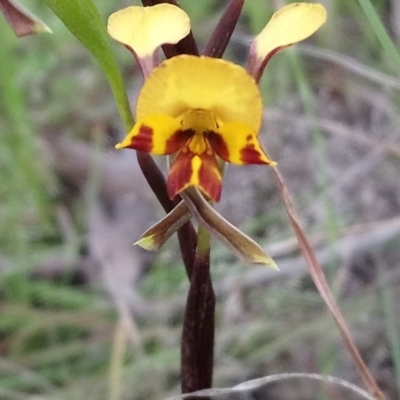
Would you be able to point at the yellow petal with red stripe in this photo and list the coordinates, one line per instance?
(238, 144)
(156, 134)
(190, 169)
(144, 29)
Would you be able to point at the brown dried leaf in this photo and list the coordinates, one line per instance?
(22, 21)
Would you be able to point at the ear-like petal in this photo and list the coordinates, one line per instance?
(289, 25)
(144, 29)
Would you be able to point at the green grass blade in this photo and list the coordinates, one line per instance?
(83, 20)
(380, 32)
(388, 300)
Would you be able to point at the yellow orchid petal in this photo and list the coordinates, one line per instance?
(190, 169)
(238, 144)
(144, 29)
(187, 82)
(289, 25)
(156, 134)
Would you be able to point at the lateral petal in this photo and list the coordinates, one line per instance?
(289, 25)
(237, 143)
(190, 169)
(144, 29)
(156, 134)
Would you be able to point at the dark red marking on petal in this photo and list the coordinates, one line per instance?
(180, 173)
(210, 177)
(143, 140)
(178, 140)
(249, 137)
(218, 145)
(249, 155)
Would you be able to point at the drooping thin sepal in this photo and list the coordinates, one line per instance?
(240, 244)
(160, 232)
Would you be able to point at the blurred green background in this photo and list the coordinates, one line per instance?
(84, 314)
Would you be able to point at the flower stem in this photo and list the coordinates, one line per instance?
(221, 36)
(203, 242)
(197, 346)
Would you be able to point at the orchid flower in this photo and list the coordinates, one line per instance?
(202, 111)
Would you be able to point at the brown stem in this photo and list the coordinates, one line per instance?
(187, 242)
(219, 39)
(197, 345)
(155, 179)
